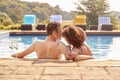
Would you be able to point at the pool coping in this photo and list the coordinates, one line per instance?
(43, 32)
(87, 32)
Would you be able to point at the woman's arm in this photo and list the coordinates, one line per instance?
(85, 50)
(88, 51)
(82, 57)
(83, 53)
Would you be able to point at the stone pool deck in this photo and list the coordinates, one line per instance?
(41, 69)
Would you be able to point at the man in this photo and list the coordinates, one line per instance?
(51, 48)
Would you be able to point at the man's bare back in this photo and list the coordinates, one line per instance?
(46, 49)
(49, 49)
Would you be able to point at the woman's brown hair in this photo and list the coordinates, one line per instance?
(74, 36)
(52, 26)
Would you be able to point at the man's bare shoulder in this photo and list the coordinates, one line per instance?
(38, 41)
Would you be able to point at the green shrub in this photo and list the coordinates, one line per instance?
(1, 27)
(10, 27)
(14, 27)
(6, 28)
(7, 22)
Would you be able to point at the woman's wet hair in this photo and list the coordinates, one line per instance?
(74, 36)
(52, 26)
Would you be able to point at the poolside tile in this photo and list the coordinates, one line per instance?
(25, 63)
(61, 77)
(114, 72)
(95, 73)
(47, 63)
(28, 71)
(9, 62)
(64, 70)
(98, 63)
(6, 70)
(96, 76)
(19, 77)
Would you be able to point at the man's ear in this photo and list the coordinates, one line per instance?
(54, 33)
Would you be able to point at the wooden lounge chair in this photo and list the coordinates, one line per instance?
(26, 27)
(80, 21)
(81, 26)
(107, 27)
(57, 18)
(93, 27)
(29, 22)
(40, 27)
(104, 23)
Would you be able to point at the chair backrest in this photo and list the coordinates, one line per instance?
(104, 20)
(29, 19)
(80, 19)
(57, 18)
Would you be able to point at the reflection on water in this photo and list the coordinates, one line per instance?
(115, 49)
(103, 47)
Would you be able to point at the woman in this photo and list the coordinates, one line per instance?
(76, 37)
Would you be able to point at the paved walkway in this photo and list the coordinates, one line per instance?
(34, 69)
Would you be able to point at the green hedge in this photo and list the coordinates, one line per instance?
(10, 27)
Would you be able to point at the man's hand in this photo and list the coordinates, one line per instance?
(17, 55)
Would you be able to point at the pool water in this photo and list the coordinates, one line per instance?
(103, 47)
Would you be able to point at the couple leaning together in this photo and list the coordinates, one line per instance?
(53, 48)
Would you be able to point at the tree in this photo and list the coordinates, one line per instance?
(3, 6)
(58, 10)
(115, 19)
(4, 18)
(92, 9)
(16, 9)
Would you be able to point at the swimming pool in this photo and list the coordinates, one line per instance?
(103, 47)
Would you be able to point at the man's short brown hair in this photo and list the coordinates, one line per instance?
(74, 36)
(52, 26)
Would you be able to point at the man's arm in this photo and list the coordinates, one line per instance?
(25, 52)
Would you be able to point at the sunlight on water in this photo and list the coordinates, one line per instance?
(115, 49)
(105, 47)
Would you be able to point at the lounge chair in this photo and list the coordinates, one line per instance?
(104, 23)
(81, 26)
(93, 27)
(29, 22)
(80, 21)
(40, 27)
(57, 18)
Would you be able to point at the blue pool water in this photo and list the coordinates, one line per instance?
(103, 47)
